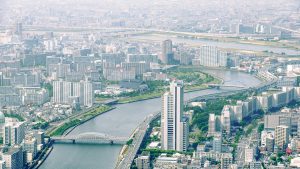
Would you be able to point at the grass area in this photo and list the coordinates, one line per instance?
(16, 116)
(140, 97)
(79, 120)
(194, 79)
(250, 128)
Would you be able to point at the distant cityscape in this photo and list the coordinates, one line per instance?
(149, 84)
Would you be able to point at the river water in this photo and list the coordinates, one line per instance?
(220, 44)
(121, 122)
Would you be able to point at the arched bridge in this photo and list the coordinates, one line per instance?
(90, 138)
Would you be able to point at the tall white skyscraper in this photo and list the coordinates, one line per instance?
(173, 125)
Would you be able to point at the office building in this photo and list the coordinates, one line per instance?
(174, 126)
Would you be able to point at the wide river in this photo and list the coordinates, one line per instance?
(225, 45)
(121, 122)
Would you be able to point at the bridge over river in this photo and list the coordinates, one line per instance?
(90, 138)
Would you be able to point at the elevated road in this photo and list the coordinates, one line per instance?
(139, 134)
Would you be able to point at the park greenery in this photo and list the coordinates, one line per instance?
(193, 78)
(41, 125)
(75, 121)
(16, 116)
(201, 115)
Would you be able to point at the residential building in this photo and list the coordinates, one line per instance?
(167, 55)
(30, 148)
(174, 126)
(281, 136)
(226, 119)
(217, 143)
(210, 56)
(13, 157)
(13, 133)
(143, 161)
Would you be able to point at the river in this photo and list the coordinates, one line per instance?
(121, 122)
(220, 44)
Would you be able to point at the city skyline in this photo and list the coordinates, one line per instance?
(130, 84)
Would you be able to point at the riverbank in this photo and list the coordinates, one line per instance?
(190, 75)
(76, 121)
(228, 39)
(122, 121)
(44, 157)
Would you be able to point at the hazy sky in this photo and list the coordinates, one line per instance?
(25, 7)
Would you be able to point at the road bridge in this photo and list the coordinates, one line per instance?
(90, 138)
(223, 85)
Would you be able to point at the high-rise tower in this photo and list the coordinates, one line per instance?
(174, 126)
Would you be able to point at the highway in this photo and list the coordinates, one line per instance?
(138, 137)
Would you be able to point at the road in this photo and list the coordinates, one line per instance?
(138, 137)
